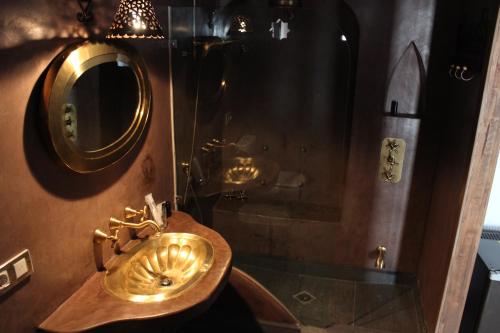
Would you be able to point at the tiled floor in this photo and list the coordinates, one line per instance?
(342, 306)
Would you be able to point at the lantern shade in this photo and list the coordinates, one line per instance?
(135, 19)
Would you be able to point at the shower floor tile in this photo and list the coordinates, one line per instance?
(334, 303)
(386, 307)
(340, 329)
(342, 306)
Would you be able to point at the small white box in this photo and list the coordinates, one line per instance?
(21, 268)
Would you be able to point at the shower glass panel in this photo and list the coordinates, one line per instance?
(286, 106)
(263, 101)
(262, 110)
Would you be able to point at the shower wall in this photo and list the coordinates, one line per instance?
(293, 130)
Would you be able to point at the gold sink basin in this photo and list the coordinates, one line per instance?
(241, 174)
(248, 172)
(162, 267)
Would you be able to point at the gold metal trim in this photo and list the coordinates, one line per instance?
(392, 154)
(163, 267)
(380, 262)
(62, 75)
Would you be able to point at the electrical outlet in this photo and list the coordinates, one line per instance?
(4, 280)
(15, 270)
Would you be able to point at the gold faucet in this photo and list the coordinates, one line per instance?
(131, 213)
(114, 227)
(379, 263)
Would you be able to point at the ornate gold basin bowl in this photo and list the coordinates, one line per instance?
(248, 172)
(162, 267)
(241, 174)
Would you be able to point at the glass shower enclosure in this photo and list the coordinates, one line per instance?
(263, 95)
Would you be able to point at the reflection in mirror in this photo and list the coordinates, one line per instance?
(101, 106)
(95, 104)
(296, 105)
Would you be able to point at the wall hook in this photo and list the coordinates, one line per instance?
(457, 68)
(459, 73)
(450, 72)
(465, 69)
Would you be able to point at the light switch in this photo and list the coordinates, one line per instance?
(21, 268)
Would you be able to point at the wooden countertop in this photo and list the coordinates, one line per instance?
(91, 306)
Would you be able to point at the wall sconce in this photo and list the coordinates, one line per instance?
(135, 19)
(85, 16)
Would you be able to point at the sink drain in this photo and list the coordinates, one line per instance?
(166, 282)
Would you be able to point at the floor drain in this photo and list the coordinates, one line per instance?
(304, 297)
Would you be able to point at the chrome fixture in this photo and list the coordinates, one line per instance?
(135, 19)
(380, 263)
(460, 73)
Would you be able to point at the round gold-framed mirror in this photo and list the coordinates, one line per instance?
(95, 105)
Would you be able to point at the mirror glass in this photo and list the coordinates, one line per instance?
(101, 105)
(95, 104)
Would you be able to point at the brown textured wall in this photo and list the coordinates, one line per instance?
(375, 212)
(460, 104)
(45, 208)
